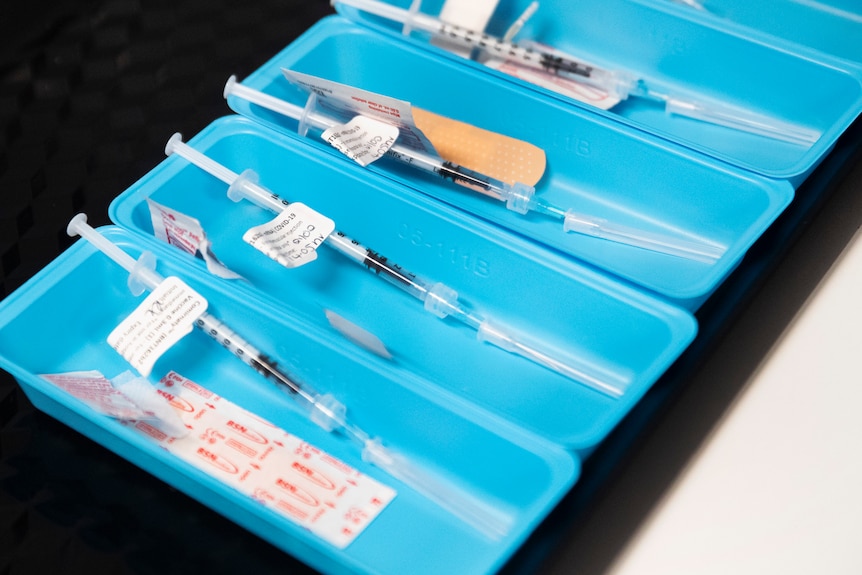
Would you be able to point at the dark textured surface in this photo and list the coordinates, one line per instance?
(89, 93)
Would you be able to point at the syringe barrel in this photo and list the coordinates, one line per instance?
(175, 145)
(617, 83)
(245, 187)
(460, 175)
(540, 58)
(234, 88)
(548, 60)
(242, 186)
(253, 357)
(424, 162)
(379, 264)
(414, 158)
(307, 115)
(323, 410)
(437, 297)
(143, 275)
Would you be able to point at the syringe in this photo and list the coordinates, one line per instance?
(518, 197)
(438, 298)
(617, 83)
(323, 409)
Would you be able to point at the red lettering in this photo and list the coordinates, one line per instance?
(295, 511)
(346, 469)
(297, 492)
(244, 449)
(237, 426)
(356, 516)
(217, 461)
(202, 391)
(265, 453)
(151, 431)
(207, 454)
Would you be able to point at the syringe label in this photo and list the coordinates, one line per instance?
(363, 139)
(292, 238)
(469, 14)
(161, 320)
(346, 101)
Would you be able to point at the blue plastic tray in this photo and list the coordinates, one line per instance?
(595, 165)
(59, 320)
(661, 41)
(830, 27)
(505, 277)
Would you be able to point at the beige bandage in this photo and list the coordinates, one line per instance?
(489, 153)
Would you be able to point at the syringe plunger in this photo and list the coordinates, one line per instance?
(141, 274)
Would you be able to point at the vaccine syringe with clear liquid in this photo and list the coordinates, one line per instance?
(518, 197)
(618, 83)
(322, 409)
(438, 298)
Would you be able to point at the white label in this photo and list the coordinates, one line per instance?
(346, 101)
(161, 320)
(470, 14)
(186, 233)
(278, 470)
(362, 139)
(292, 238)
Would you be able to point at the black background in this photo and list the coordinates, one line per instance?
(89, 93)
